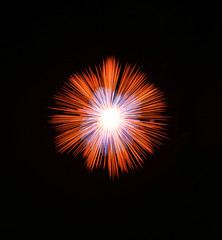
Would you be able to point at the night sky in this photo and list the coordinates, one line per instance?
(178, 45)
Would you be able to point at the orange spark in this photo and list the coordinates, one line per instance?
(113, 118)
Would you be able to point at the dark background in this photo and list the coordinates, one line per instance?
(178, 45)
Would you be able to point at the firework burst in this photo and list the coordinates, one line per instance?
(113, 117)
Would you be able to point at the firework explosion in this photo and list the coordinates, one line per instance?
(113, 117)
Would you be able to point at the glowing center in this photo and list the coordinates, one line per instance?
(111, 118)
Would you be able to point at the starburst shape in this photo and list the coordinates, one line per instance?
(113, 116)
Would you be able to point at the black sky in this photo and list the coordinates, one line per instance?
(178, 45)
